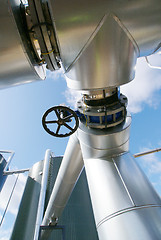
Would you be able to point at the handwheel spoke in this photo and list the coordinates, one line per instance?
(58, 128)
(54, 121)
(67, 126)
(63, 117)
(57, 114)
(68, 117)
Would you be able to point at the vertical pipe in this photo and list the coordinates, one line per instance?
(42, 194)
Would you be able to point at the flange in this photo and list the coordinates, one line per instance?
(42, 32)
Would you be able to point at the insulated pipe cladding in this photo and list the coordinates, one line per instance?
(124, 202)
(99, 41)
(96, 42)
(70, 169)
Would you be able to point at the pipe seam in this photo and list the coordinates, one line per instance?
(123, 182)
(126, 210)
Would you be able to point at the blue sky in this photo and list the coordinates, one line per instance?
(22, 108)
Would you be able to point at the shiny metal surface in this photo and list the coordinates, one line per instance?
(17, 65)
(71, 167)
(136, 181)
(83, 27)
(117, 183)
(121, 195)
(122, 199)
(77, 21)
(103, 142)
(140, 224)
(101, 63)
(107, 191)
(40, 210)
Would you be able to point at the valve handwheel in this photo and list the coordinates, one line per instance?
(60, 121)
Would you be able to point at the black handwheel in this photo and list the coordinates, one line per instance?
(62, 121)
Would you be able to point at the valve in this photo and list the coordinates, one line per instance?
(62, 120)
(102, 110)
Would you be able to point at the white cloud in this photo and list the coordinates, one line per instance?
(55, 75)
(72, 97)
(144, 89)
(151, 162)
(5, 234)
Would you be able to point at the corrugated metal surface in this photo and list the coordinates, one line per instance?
(77, 218)
(25, 222)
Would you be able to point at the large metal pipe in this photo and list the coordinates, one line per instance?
(70, 169)
(17, 59)
(125, 204)
(47, 31)
(99, 41)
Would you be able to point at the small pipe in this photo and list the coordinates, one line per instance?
(147, 152)
(6, 171)
(16, 171)
(151, 66)
(69, 172)
(42, 194)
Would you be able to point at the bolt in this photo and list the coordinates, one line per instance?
(27, 10)
(49, 33)
(35, 36)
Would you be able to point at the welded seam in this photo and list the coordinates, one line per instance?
(110, 149)
(126, 31)
(98, 27)
(124, 184)
(126, 210)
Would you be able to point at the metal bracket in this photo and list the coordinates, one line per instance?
(8, 172)
(53, 227)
